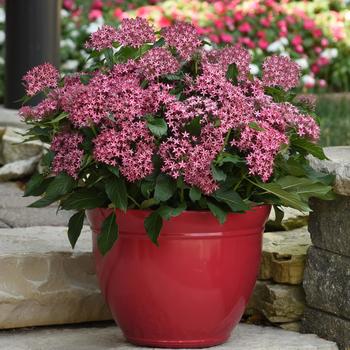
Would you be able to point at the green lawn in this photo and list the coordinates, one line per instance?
(334, 113)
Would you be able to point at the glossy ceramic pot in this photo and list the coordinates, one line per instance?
(191, 290)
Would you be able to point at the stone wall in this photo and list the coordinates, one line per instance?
(327, 273)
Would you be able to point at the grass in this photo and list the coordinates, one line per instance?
(334, 113)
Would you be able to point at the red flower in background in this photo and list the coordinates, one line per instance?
(245, 27)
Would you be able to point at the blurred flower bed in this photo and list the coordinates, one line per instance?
(314, 33)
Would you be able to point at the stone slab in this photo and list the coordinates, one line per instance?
(329, 224)
(338, 164)
(44, 282)
(244, 337)
(284, 255)
(292, 219)
(19, 169)
(327, 326)
(10, 117)
(15, 213)
(327, 282)
(13, 148)
(277, 302)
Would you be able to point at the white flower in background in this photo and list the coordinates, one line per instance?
(69, 43)
(284, 41)
(71, 26)
(2, 37)
(303, 63)
(2, 15)
(2, 61)
(285, 54)
(254, 69)
(64, 13)
(92, 27)
(74, 33)
(329, 53)
(308, 80)
(70, 65)
(278, 45)
(84, 54)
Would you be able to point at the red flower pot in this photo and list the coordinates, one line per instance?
(191, 290)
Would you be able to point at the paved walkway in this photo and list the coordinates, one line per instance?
(109, 337)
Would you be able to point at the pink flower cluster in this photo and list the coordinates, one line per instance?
(183, 37)
(205, 112)
(135, 32)
(68, 155)
(40, 78)
(280, 71)
(103, 38)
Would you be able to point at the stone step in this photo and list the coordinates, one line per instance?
(109, 337)
(44, 282)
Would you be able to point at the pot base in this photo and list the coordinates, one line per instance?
(177, 344)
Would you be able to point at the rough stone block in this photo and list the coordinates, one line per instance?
(292, 219)
(338, 163)
(244, 337)
(329, 224)
(14, 149)
(284, 255)
(18, 169)
(327, 282)
(278, 303)
(327, 326)
(44, 282)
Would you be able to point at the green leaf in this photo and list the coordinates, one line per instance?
(218, 212)
(61, 185)
(277, 94)
(195, 194)
(255, 126)
(147, 187)
(194, 126)
(117, 193)
(153, 224)
(232, 73)
(231, 198)
(109, 57)
(85, 198)
(159, 43)
(114, 170)
(75, 226)
(47, 159)
(288, 199)
(108, 235)
(218, 174)
(279, 215)
(165, 188)
(157, 126)
(149, 203)
(33, 185)
(167, 212)
(307, 146)
(231, 158)
(58, 187)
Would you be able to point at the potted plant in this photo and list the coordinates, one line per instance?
(175, 153)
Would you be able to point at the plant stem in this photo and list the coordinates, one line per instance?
(133, 200)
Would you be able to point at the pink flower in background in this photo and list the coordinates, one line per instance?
(97, 5)
(318, 49)
(95, 14)
(164, 22)
(226, 38)
(245, 27)
(135, 32)
(41, 77)
(280, 71)
(324, 42)
(118, 13)
(263, 44)
(248, 42)
(184, 37)
(68, 156)
(68, 5)
(299, 49)
(297, 40)
(102, 39)
(315, 68)
(309, 24)
(214, 38)
(238, 16)
(265, 22)
(322, 83)
(317, 33)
